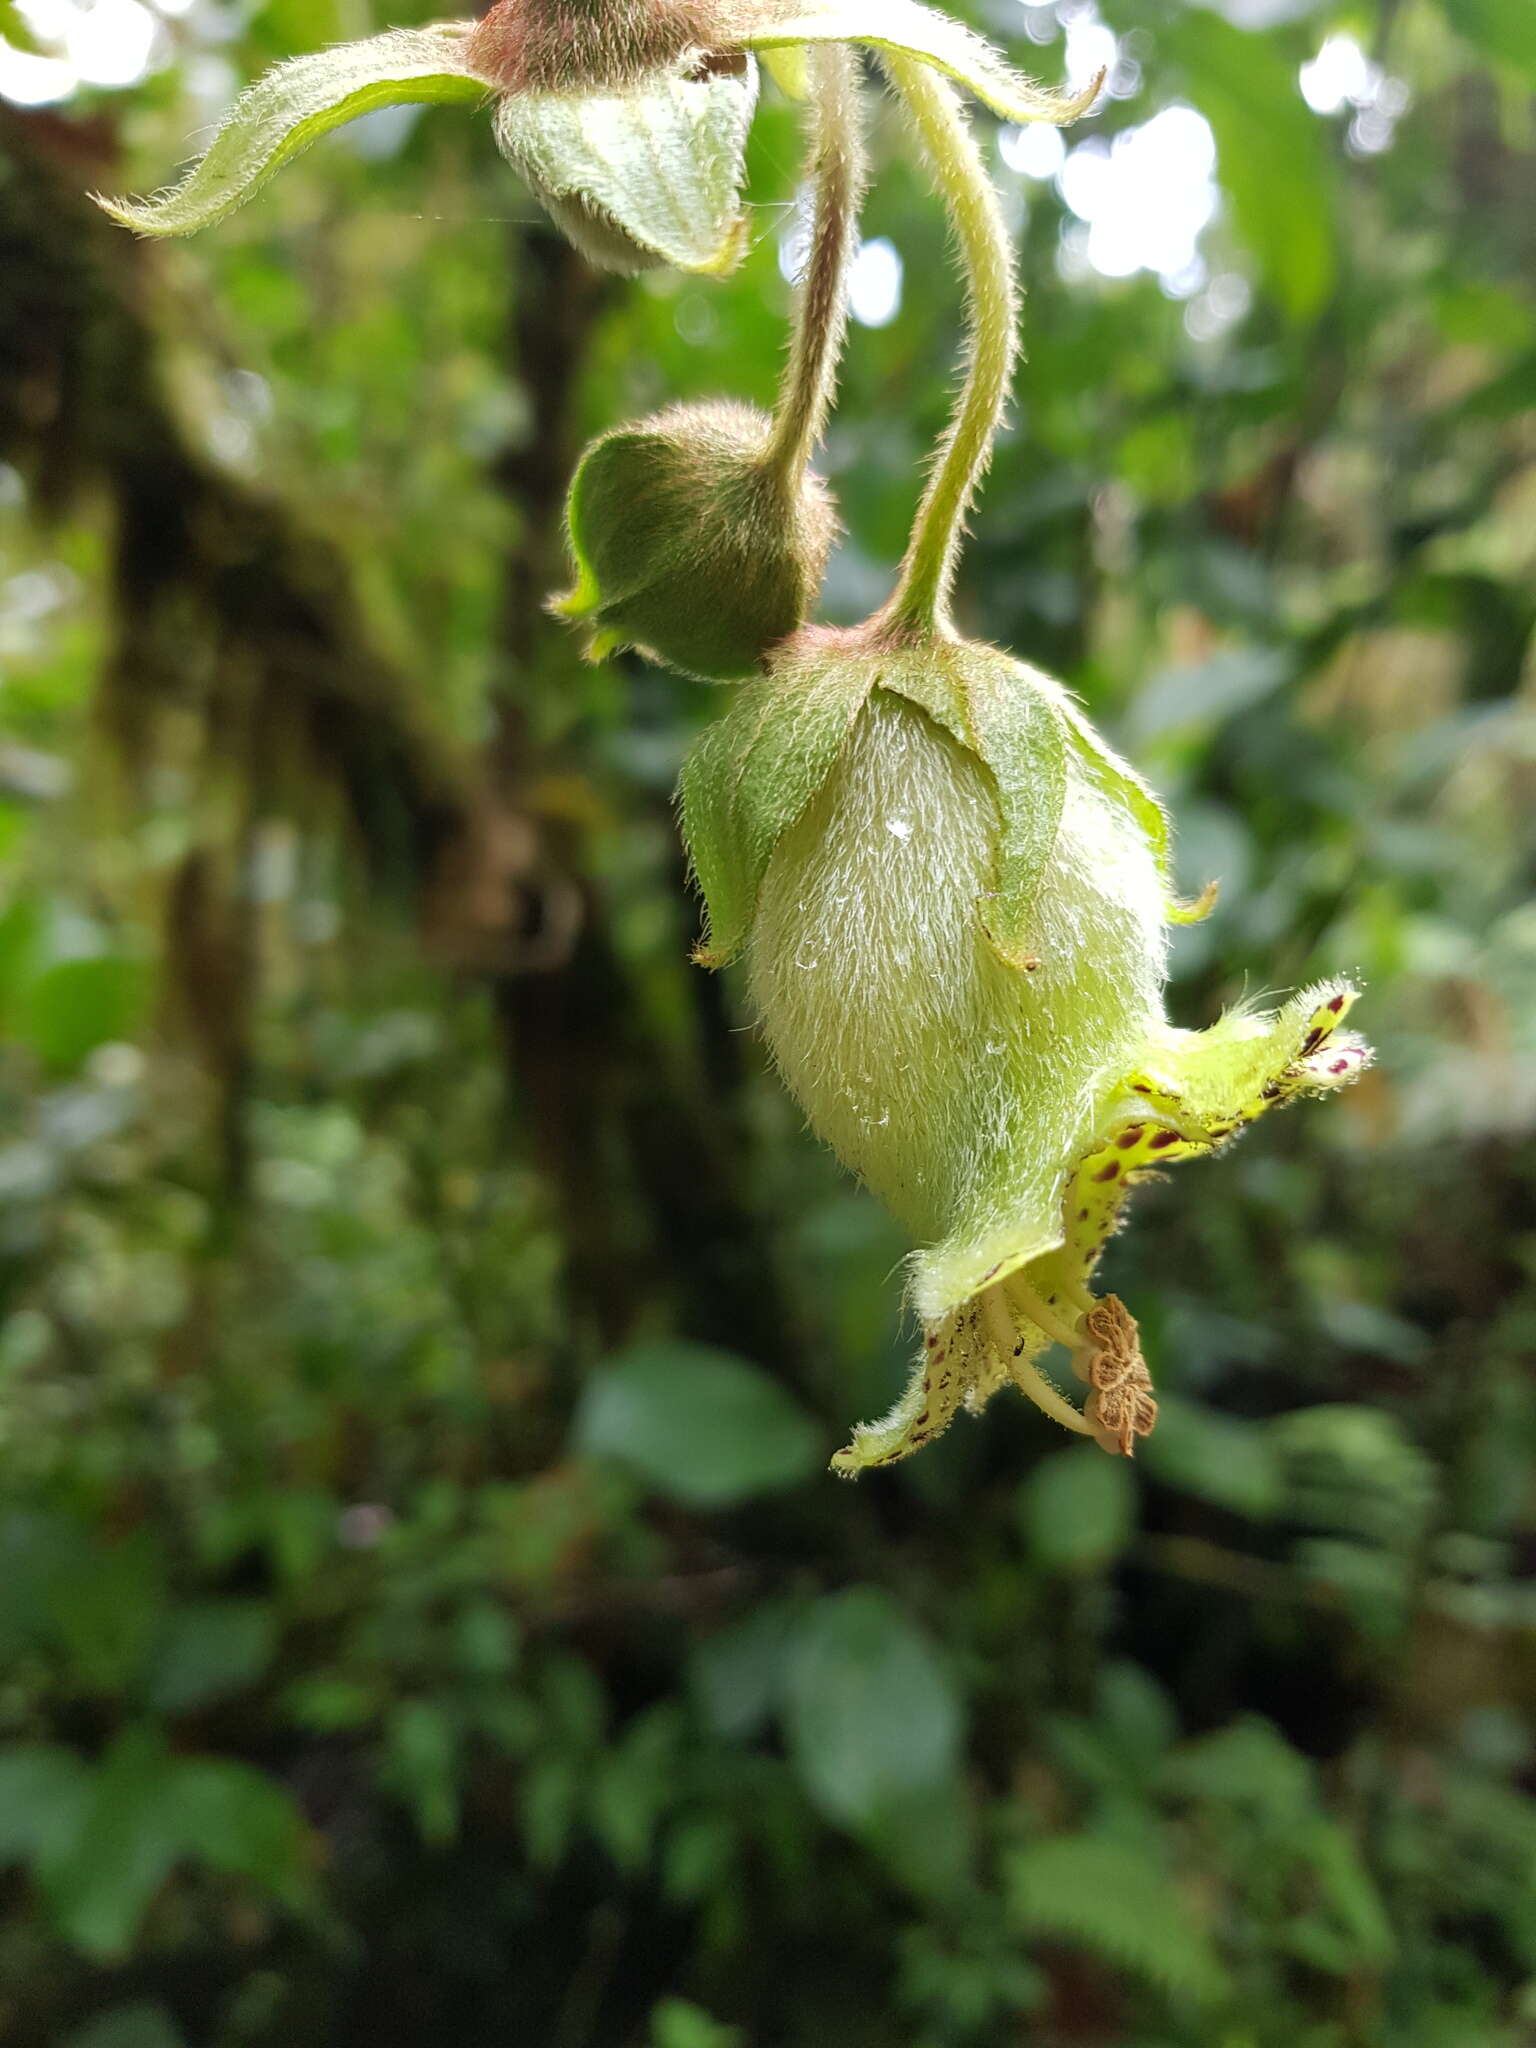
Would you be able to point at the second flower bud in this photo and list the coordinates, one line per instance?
(691, 543)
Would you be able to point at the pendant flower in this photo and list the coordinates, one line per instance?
(628, 119)
(953, 904)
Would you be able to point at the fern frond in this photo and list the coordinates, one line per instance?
(1117, 1904)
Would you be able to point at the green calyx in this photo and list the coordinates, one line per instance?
(752, 775)
(692, 544)
(902, 29)
(644, 175)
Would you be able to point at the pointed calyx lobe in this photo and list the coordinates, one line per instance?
(905, 28)
(644, 175)
(293, 105)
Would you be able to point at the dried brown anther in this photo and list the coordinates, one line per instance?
(1121, 1405)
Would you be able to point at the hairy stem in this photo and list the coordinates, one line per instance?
(921, 599)
(836, 169)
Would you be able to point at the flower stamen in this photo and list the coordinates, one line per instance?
(999, 1306)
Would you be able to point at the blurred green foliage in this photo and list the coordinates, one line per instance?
(423, 1613)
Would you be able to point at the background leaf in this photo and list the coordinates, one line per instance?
(699, 1425)
(873, 1718)
(1079, 1509)
(1272, 150)
(1116, 1903)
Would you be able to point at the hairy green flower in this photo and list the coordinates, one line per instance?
(953, 903)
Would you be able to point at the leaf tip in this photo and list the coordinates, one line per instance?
(728, 256)
(1080, 103)
(128, 213)
(1196, 909)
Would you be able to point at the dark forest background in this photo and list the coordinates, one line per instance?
(424, 1614)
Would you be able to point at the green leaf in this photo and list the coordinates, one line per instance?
(209, 1650)
(77, 1005)
(912, 30)
(1350, 1905)
(1273, 154)
(22, 943)
(1192, 700)
(1214, 1457)
(645, 176)
(636, 1782)
(124, 1826)
(872, 1716)
(701, 1426)
(736, 1677)
(144, 2024)
(1503, 31)
(1250, 1764)
(235, 1819)
(1079, 1509)
(14, 29)
(43, 1795)
(422, 1766)
(293, 106)
(752, 774)
(677, 2024)
(1116, 1904)
(1355, 1470)
(125, 1845)
(95, 1604)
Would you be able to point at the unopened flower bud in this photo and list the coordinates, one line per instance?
(691, 543)
(952, 899)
